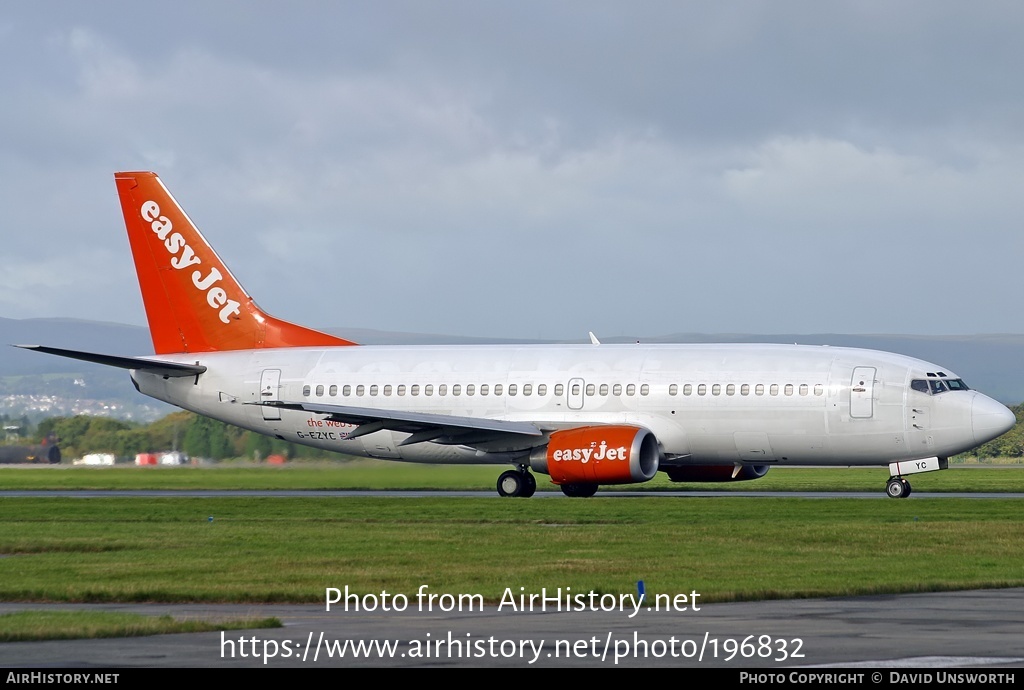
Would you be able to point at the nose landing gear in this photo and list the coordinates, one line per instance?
(897, 487)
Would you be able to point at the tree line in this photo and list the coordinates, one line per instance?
(192, 434)
(202, 437)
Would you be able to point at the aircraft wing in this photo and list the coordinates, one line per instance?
(160, 368)
(423, 426)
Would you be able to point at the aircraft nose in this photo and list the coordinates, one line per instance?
(990, 419)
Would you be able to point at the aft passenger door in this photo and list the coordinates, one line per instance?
(270, 391)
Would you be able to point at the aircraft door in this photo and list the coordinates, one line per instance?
(575, 393)
(270, 391)
(862, 389)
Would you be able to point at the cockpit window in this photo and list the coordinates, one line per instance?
(936, 386)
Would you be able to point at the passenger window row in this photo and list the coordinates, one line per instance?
(575, 389)
(746, 389)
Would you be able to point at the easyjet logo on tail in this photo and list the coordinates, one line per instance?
(183, 257)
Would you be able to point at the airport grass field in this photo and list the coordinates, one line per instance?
(267, 549)
(381, 475)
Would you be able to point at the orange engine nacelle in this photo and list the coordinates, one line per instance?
(715, 473)
(599, 455)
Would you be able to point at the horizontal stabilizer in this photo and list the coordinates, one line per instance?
(170, 369)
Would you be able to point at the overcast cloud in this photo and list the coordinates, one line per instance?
(530, 169)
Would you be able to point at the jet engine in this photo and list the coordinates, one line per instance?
(715, 473)
(599, 455)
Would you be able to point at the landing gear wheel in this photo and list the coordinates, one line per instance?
(895, 487)
(511, 483)
(529, 485)
(579, 490)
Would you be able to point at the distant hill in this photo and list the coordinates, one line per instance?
(990, 363)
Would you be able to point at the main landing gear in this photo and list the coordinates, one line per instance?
(579, 490)
(518, 482)
(897, 487)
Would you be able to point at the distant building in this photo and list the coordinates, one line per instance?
(96, 459)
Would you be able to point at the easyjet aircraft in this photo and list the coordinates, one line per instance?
(583, 415)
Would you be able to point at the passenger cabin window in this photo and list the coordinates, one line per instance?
(774, 390)
(305, 391)
(803, 389)
(542, 389)
(819, 389)
(645, 389)
(604, 389)
(673, 389)
(730, 389)
(617, 389)
(470, 389)
(319, 391)
(759, 389)
(590, 389)
(415, 390)
(631, 389)
(346, 390)
(716, 389)
(333, 390)
(688, 389)
(789, 389)
(360, 389)
(527, 389)
(456, 389)
(745, 389)
(401, 389)
(497, 389)
(442, 389)
(387, 389)
(373, 389)
(702, 389)
(512, 389)
(483, 389)
(559, 389)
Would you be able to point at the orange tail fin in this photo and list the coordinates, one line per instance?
(193, 303)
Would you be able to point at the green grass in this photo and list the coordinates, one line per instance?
(290, 549)
(368, 474)
(23, 626)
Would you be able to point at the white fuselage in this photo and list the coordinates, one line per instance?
(706, 404)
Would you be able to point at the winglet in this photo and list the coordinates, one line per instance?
(193, 303)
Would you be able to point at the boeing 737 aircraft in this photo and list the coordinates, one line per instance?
(583, 415)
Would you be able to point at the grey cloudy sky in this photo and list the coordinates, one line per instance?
(530, 169)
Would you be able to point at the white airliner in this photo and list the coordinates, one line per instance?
(584, 415)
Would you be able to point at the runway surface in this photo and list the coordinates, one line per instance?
(980, 628)
(105, 493)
